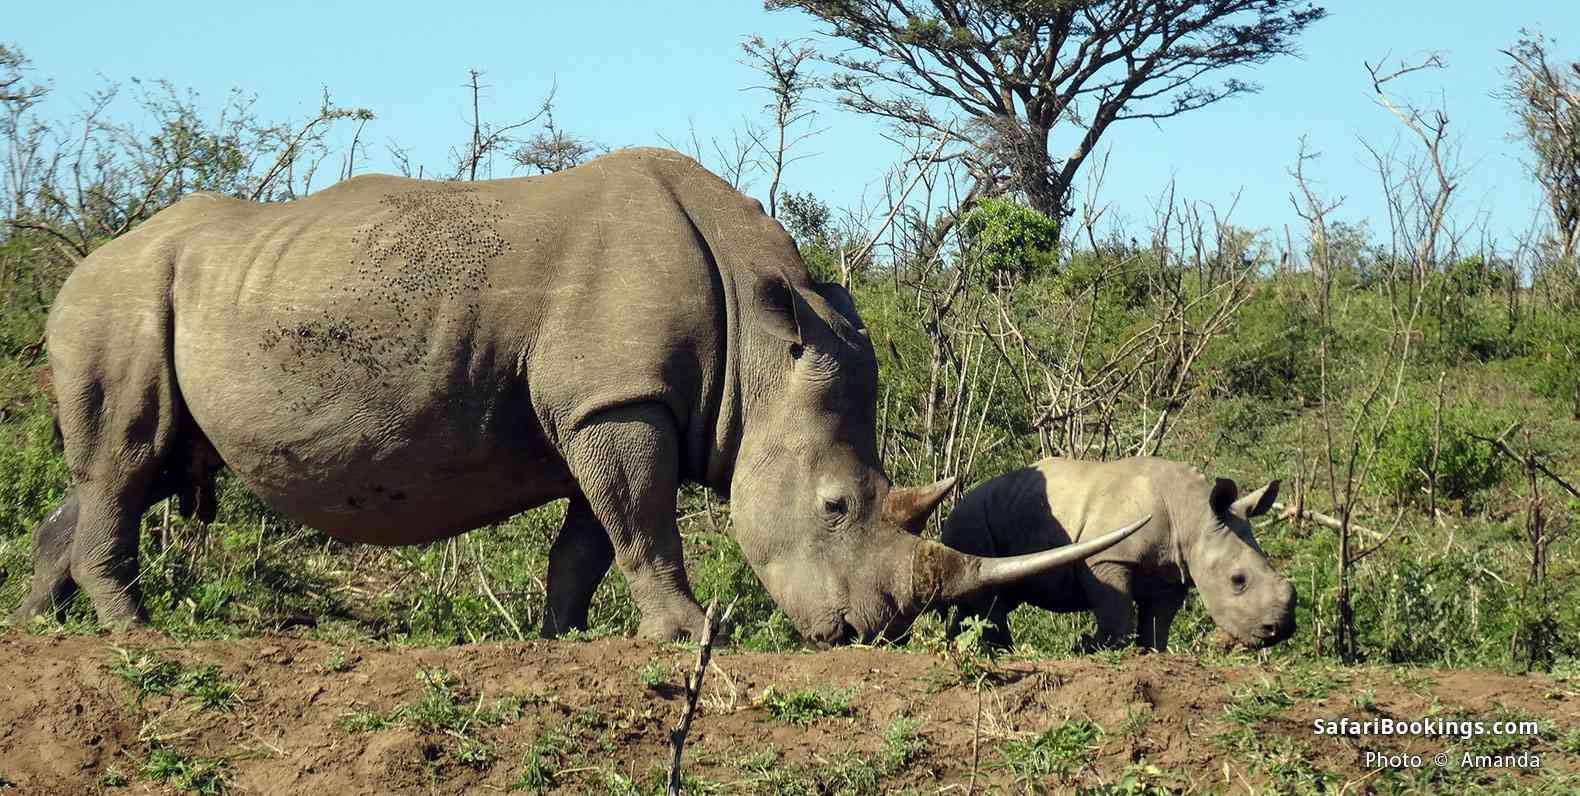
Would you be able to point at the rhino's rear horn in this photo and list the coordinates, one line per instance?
(941, 575)
(910, 506)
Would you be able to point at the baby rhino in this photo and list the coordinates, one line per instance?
(1198, 535)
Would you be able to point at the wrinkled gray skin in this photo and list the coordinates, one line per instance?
(396, 362)
(1198, 536)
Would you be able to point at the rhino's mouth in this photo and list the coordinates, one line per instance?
(1269, 634)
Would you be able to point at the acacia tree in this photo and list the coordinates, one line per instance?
(1018, 68)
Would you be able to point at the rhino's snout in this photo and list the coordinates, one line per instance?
(1272, 633)
(1282, 626)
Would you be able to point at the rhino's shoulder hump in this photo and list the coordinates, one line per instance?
(375, 184)
(650, 156)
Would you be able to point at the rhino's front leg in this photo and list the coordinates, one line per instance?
(627, 463)
(578, 561)
(1154, 617)
(1107, 587)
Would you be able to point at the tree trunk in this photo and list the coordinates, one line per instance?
(1033, 173)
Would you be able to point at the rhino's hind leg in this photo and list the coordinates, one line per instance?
(52, 587)
(104, 550)
(579, 559)
(627, 462)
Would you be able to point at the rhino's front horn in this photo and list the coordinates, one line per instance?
(942, 575)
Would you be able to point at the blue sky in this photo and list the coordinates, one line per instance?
(636, 73)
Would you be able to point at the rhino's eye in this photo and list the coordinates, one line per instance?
(1238, 581)
(835, 509)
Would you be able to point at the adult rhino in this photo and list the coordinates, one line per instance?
(396, 361)
(1199, 535)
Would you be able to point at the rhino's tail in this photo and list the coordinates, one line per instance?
(46, 383)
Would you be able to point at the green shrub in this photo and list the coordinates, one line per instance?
(1460, 324)
(1466, 466)
(1550, 342)
(1271, 353)
(1008, 239)
(1124, 279)
(32, 472)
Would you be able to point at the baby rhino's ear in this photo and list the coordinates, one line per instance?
(1224, 493)
(1257, 503)
(910, 506)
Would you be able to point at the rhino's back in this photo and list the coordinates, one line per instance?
(1056, 501)
(393, 360)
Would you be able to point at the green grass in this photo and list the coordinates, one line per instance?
(1140, 779)
(149, 675)
(189, 772)
(443, 709)
(1258, 702)
(113, 777)
(1058, 752)
(654, 674)
(902, 743)
(806, 705)
(337, 662)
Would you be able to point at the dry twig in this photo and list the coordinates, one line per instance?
(677, 734)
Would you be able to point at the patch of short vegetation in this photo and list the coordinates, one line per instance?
(208, 688)
(444, 708)
(147, 673)
(536, 773)
(337, 662)
(844, 773)
(189, 772)
(361, 719)
(902, 743)
(806, 705)
(1141, 779)
(1258, 702)
(1569, 744)
(113, 777)
(150, 675)
(654, 674)
(1059, 752)
(968, 656)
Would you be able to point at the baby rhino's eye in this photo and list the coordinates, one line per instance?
(1238, 581)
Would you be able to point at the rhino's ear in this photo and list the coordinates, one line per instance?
(910, 506)
(1257, 503)
(1224, 493)
(840, 299)
(776, 308)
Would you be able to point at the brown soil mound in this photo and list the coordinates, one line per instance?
(312, 717)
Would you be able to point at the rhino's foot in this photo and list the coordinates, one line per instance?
(1090, 644)
(47, 605)
(118, 609)
(31, 612)
(677, 622)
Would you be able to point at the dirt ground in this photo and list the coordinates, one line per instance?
(593, 716)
